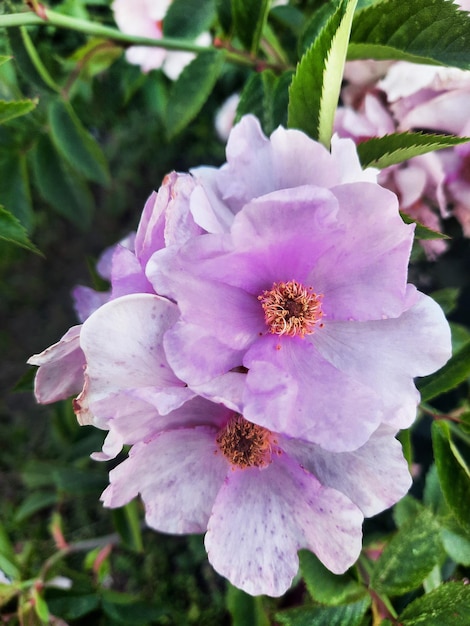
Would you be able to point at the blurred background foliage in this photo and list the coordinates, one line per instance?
(84, 139)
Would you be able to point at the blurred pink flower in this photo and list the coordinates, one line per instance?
(144, 18)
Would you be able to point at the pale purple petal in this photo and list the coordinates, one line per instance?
(447, 112)
(387, 354)
(262, 517)
(60, 373)
(87, 300)
(122, 342)
(364, 277)
(292, 389)
(374, 476)
(128, 275)
(178, 475)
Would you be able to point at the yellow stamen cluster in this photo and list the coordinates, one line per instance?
(291, 309)
(245, 444)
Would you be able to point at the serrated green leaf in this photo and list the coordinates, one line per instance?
(448, 605)
(315, 87)
(11, 230)
(191, 90)
(453, 478)
(395, 148)
(316, 23)
(188, 18)
(249, 17)
(75, 143)
(60, 186)
(422, 231)
(409, 557)
(454, 372)
(423, 31)
(15, 192)
(325, 587)
(342, 615)
(15, 108)
(245, 609)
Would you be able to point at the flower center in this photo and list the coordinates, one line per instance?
(291, 309)
(245, 444)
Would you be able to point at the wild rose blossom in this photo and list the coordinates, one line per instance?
(145, 19)
(307, 291)
(259, 494)
(261, 388)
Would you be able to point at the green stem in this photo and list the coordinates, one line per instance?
(98, 30)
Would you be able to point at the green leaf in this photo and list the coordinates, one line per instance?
(265, 95)
(342, 615)
(8, 561)
(4, 59)
(454, 372)
(398, 147)
(316, 23)
(40, 606)
(188, 18)
(127, 523)
(245, 609)
(423, 31)
(457, 546)
(314, 92)
(75, 143)
(7, 593)
(249, 17)
(60, 186)
(460, 336)
(446, 298)
(325, 587)
(15, 108)
(448, 605)
(422, 231)
(406, 509)
(126, 609)
(12, 231)
(72, 607)
(409, 557)
(15, 191)
(453, 477)
(224, 13)
(191, 90)
(20, 43)
(35, 502)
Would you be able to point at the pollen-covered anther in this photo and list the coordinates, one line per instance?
(245, 444)
(291, 309)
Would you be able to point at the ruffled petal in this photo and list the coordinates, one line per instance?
(374, 476)
(178, 475)
(387, 354)
(262, 517)
(60, 373)
(292, 389)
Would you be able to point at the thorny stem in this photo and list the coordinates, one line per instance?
(45, 17)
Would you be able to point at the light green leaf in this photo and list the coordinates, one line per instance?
(4, 59)
(249, 17)
(423, 31)
(448, 605)
(446, 298)
(245, 609)
(8, 562)
(398, 147)
(454, 372)
(460, 336)
(188, 18)
(75, 143)
(453, 477)
(341, 615)
(127, 522)
(40, 606)
(325, 587)
(314, 92)
(11, 230)
(15, 108)
(191, 90)
(409, 557)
